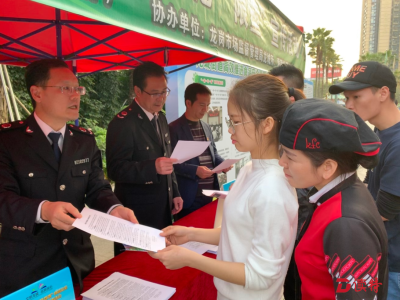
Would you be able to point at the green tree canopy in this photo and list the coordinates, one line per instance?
(106, 94)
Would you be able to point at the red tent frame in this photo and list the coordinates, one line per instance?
(89, 45)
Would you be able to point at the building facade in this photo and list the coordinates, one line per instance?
(380, 27)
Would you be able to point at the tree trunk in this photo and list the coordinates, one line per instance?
(316, 79)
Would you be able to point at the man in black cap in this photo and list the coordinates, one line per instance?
(370, 89)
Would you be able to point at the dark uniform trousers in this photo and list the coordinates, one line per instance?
(132, 148)
(29, 174)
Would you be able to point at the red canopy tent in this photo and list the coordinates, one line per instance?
(31, 31)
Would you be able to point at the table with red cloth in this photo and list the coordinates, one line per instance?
(189, 283)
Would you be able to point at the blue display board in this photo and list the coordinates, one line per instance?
(56, 286)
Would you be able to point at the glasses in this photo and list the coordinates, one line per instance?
(80, 90)
(230, 124)
(158, 95)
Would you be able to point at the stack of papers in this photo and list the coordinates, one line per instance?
(120, 286)
(200, 248)
(215, 193)
(118, 230)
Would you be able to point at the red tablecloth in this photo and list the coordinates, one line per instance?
(189, 283)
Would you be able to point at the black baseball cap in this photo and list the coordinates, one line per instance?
(366, 74)
(320, 125)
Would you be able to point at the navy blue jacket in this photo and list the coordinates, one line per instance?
(186, 172)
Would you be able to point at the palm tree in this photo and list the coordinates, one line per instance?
(319, 43)
(333, 61)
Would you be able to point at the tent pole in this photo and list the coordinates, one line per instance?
(98, 40)
(74, 71)
(30, 34)
(11, 92)
(187, 66)
(22, 105)
(10, 110)
(24, 45)
(58, 34)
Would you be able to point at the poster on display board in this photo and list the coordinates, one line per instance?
(219, 77)
(308, 88)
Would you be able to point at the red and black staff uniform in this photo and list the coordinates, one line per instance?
(342, 252)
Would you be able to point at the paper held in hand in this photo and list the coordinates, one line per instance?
(185, 150)
(225, 164)
(121, 286)
(200, 248)
(215, 193)
(118, 230)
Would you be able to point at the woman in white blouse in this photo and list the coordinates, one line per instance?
(259, 223)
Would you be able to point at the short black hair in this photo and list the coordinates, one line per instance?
(374, 89)
(194, 89)
(38, 72)
(293, 77)
(145, 70)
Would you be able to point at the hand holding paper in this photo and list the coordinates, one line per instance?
(121, 231)
(186, 150)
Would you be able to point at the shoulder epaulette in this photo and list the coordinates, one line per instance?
(12, 125)
(80, 129)
(123, 113)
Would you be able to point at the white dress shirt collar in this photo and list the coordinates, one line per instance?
(148, 114)
(314, 198)
(47, 129)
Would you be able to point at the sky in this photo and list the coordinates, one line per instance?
(343, 17)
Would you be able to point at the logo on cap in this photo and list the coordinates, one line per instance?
(355, 70)
(314, 144)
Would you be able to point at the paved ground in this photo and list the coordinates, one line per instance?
(103, 250)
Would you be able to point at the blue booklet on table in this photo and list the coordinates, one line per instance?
(56, 286)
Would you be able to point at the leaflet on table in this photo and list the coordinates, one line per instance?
(200, 248)
(118, 230)
(216, 193)
(185, 150)
(225, 164)
(213, 249)
(121, 286)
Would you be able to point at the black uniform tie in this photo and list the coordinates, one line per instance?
(154, 123)
(54, 136)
